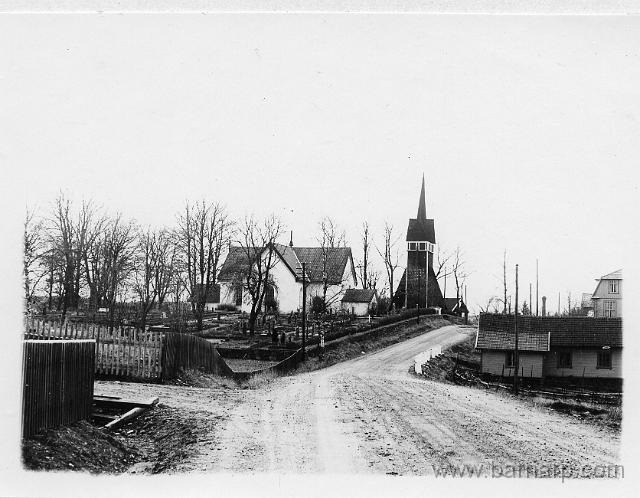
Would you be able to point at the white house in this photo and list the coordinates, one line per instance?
(286, 276)
(607, 298)
(360, 302)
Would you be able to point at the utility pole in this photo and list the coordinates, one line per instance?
(418, 275)
(536, 287)
(558, 304)
(516, 359)
(530, 305)
(304, 312)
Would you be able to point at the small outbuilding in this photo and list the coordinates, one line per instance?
(360, 302)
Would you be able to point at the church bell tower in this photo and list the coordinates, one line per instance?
(421, 239)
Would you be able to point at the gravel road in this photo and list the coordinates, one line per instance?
(369, 415)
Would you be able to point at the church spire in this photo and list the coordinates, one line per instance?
(422, 206)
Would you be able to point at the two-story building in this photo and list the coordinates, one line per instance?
(607, 298)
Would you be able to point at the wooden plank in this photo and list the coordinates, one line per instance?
(131, 414)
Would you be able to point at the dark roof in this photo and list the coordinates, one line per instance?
(358, 295)
(237, 263)
(575, 332)
(421, 230)
(337, 260)
(422, 204)
(502, 340)
(455, 304)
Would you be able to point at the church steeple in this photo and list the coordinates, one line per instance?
(422, 206)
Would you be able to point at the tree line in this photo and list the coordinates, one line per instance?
(79, 254)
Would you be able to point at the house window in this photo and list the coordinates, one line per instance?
(610, 309)
(613, 287)
(564, 359)
(604, 359)
(510, 359)
(412, 246)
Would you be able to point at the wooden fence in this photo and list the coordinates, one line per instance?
(58, 383)
(124, 352)
(182, 351)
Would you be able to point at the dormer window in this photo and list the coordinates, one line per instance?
(422, 246)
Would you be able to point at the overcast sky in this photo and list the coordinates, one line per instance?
(526, 128)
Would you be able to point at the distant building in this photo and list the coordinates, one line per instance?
(607, 298)
(551, 346)
(286, 275)
(586, 305)
(418, 285)
(455, 306)
(360, 302)
(213, 296)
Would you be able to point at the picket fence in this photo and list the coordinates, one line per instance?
(119, 352)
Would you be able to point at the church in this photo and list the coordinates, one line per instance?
(419, 286)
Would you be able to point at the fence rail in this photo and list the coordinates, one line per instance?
(119, 351)
(57, 383)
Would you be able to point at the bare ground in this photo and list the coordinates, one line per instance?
(369, 415)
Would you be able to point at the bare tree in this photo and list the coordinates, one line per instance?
(504, 280)
(34, 243)
(491, 305)
(363, 267)
(390, 256)
(331, 237)
(119, 249)
(145, 269)
(257, 241)
(204, 230)
(458, 270)
(167, 267)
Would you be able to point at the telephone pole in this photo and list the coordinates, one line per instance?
(536, 287)
(516, 359)
(304, 312)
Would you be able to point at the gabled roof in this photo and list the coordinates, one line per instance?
(506, 341)
(455, 304)
(337, 260)
(614, 275)
(358, 295)
(237, 262)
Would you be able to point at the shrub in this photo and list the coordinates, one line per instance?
(317, 305)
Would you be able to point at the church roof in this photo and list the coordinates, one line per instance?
(421, 230)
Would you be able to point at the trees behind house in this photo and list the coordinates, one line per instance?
(34, 253)
(257, 240)
(204, 230)
(331, 237)
(391, 257)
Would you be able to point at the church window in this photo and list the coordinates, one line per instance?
(422, 246)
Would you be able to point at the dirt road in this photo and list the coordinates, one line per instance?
(370, 415)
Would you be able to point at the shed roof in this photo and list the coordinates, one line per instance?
(566, 332)
(358, 295)
(503, 340)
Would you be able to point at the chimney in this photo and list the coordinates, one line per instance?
(291, 241)
(544, 305)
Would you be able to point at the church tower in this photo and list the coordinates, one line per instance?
(419, 276)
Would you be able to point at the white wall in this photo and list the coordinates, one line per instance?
(584, 360)
(360, 309)
(530, 363)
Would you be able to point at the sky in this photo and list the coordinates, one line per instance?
(525, 128)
